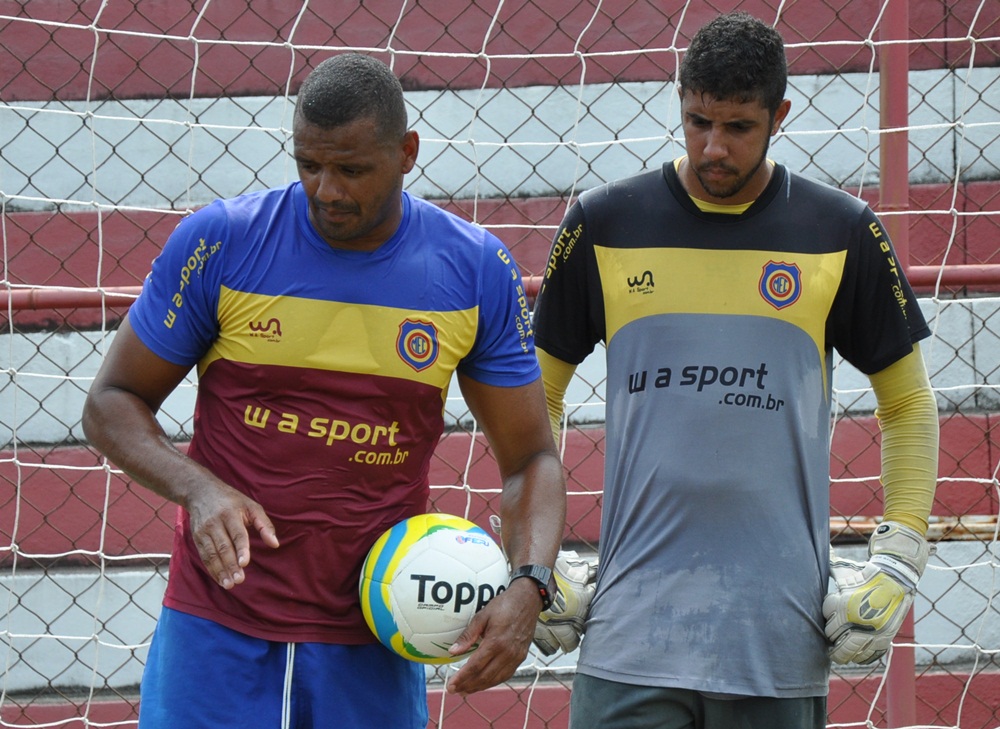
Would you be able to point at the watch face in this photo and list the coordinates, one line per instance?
(542, 574)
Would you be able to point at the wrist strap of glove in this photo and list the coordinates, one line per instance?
(899, 550)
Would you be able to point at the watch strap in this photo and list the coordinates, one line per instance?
(542, 576)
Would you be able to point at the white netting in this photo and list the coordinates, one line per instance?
(118, 117)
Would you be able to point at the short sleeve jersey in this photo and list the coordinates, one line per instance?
(719, 332)
(322, 378)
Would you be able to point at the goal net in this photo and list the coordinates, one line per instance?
(119, 117)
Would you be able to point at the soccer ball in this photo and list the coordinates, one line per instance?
(424, 579)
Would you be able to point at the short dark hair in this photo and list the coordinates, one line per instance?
(352, 86)
(736, 57)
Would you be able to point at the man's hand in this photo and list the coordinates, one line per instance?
(503, 631)
(220, 516)
(560, 627)
(119, 419)
(868, 601)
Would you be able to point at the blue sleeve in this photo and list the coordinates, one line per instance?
(504, 351)
(176, 313)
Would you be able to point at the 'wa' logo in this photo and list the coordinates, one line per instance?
(641, 284)
(269, 330)
(780, 284)
(417, 344)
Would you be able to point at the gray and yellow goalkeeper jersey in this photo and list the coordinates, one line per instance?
(719, 332)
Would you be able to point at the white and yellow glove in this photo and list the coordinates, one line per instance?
(867, 601)
(561, 626)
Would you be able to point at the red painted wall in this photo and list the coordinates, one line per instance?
(61, 249)
(39, 62)
(849, 702)
(60, 507)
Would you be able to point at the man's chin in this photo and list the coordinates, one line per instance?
(720, 190)
(335, 234)
(722, 194)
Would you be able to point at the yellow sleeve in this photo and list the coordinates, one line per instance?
(908, 418)
(556, 376)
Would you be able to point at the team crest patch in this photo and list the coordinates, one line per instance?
(780, 284)
(417, 344)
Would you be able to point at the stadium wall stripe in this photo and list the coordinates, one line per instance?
(37, 59)
(61, 249)
(548, 704)
(59, 496)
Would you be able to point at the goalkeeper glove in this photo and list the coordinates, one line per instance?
(560, 627)
(868, 601)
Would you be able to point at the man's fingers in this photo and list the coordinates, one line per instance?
(503, 629)
(264, 527)
(223, 538)
(220, 556)
(257, 519)
(241, 546)
(488, 666)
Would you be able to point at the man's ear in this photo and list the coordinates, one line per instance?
(780, 114)
(411, 145)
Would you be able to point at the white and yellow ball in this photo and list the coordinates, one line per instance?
(424, 579)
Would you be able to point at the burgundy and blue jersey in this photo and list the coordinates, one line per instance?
(322, 378)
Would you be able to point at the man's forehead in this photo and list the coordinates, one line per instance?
(705, 103)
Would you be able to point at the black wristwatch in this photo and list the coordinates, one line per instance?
(542, 577)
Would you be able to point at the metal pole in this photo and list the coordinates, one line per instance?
(978, 275)
(894, 193)
(67, 298)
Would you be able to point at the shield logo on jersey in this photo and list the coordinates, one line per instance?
(417, 343)
(780, 284)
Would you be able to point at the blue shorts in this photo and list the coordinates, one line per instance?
(201, 674)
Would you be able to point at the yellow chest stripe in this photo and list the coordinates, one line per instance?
(334, 336)
(642, 282)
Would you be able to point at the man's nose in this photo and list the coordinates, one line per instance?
(329, 189)
(716, 144)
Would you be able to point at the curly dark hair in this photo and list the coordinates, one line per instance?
(736, 57)
(352, 86)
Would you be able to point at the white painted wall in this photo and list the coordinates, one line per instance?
(520, 142)
(87, 628)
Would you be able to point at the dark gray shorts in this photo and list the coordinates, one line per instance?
(600, 704)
